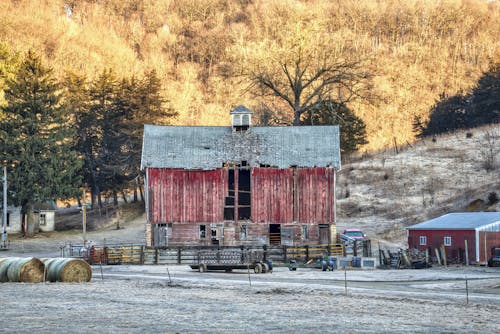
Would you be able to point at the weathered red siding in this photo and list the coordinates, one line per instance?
(435, 238)
(275, 193)
(272, 195)
(186, 196)
(315, 195)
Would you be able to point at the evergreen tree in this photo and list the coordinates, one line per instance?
(352, 128)
(36, 138)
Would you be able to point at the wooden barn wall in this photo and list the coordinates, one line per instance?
(315, 195)
(272, 195)
(435, 239)
(186, 196)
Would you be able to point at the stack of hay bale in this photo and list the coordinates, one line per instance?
(33, 270)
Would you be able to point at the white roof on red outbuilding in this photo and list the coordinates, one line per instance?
(461, 221)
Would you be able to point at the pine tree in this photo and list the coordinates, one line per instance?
(352, 128)
(36, 139)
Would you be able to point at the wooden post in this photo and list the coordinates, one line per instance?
(445, 262)
(427, 255)
(466, 254)
(436, 250)
(179, 255)
(345, 280)
(466, 289)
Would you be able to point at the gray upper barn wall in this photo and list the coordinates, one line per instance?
(204, 147)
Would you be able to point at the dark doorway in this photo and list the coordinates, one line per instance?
(229, 200)
(238, 202)
(275, 234)
(244, 194)
(323, 234)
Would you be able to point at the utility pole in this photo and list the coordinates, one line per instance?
(84, 219)
(3, 244)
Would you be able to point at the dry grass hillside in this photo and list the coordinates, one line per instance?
(416, 51)
(388, 191)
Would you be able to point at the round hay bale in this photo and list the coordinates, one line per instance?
(27, 270)
(67, 270)
(4, 266)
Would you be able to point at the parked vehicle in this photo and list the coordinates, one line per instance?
(227, 260)
(495, 260)
(353, 234)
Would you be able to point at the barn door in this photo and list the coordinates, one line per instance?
(323, 234)
(161, 235)
(274, 234)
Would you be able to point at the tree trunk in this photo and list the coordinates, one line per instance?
(32, 226)
(142, 194)
(296, 118)
(135, 192)
(124, 196)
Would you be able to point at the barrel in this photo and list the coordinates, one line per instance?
(67, 270)
(27, 270)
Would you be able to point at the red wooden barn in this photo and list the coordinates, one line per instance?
(481, 230)
(240, 184)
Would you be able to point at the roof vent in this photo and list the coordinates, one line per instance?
(241, 118)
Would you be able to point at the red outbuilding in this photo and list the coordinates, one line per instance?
(465, 236)
(240, 184)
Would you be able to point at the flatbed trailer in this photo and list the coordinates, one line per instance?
(228, 260)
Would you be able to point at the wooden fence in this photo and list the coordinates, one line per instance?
(139, 254)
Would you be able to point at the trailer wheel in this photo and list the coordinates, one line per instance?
(265, 268)
(258, 268)
(202, 268)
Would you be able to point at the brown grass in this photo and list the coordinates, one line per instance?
(416, 50)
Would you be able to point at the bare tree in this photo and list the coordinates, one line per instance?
(305, 66)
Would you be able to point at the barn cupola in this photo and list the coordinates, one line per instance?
(241, 118)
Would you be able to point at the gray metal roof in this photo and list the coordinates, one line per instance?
(241, 110)
(459, 221)
(205, 147)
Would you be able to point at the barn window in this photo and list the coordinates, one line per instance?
(447, 241)
(423, 240)
(305, 232)
(43, 219)
(203, 231)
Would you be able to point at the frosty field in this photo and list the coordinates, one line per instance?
(175, 299)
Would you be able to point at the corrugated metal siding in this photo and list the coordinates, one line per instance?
(272, 195)
(186, 196)
(315, 195)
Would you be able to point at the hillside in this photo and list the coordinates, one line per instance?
(388, 191)
(416, 52)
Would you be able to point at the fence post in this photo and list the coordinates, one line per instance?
(156, 255)
(307, 253)
(284, 254)
(142, 255)
(179, 255)
(265, 253)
